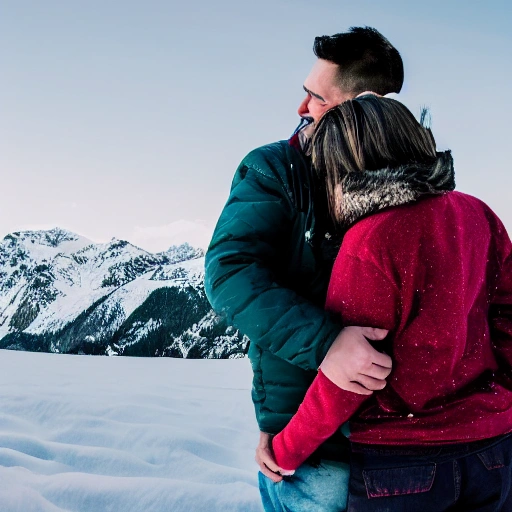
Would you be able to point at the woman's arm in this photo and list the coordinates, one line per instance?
(324, 409)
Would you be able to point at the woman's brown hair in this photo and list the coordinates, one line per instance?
(366, 134)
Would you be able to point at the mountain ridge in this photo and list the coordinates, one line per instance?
(60, 292)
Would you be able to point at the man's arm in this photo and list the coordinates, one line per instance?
(242, 282)
(243, 264)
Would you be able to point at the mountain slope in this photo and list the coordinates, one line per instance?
(60, 292)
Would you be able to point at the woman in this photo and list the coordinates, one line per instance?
(437, 273)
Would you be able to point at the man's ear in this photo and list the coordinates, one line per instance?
(369, 92)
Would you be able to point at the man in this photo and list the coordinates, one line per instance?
(270, 258)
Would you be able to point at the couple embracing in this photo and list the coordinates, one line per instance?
(377, 301)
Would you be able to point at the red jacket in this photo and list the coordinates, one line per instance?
(438, 274)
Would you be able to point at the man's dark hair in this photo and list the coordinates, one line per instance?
(367, 60)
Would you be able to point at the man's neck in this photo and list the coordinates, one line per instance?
(305, 136)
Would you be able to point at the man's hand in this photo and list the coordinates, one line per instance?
(265, 458)
(353, 364)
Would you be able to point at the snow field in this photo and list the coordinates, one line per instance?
(95, 434)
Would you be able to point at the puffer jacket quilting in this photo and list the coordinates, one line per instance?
(267, 271)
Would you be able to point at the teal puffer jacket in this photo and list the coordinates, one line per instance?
(267, 271)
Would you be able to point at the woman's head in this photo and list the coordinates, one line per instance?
(367, 134)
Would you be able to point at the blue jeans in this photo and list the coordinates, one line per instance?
(468, 477)
(311, 489)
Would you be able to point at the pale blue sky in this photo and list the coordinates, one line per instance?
(120, 117)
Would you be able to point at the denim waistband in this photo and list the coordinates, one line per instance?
(446, 450)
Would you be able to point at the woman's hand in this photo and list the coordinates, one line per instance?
(265, 458)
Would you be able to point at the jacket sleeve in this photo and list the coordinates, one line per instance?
(244, 271)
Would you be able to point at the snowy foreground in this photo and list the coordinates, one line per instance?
(98, 434)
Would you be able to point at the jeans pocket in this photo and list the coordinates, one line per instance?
(399, 481)
(493, 457)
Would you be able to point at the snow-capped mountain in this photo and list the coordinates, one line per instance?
(60, 292)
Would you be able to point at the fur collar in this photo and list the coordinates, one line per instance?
(368, 192)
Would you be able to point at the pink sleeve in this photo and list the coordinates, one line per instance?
(324, 409)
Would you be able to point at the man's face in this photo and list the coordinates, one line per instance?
(322, 91)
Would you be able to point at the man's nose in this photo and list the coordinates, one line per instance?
(303, 109)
